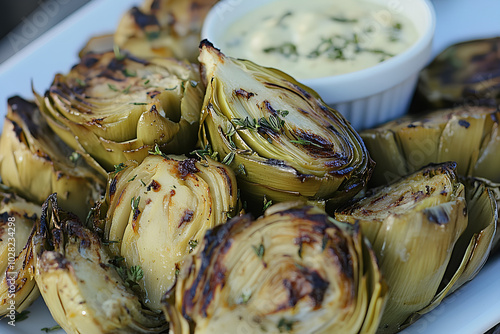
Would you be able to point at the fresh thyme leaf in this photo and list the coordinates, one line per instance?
(118, 168)
(192, 245)
(144, 184)
(74, 157)
(173, 88)
(126, 90)
(51, 329)
(134, 202)
(157, 151)
(139, 103)
(343, 19)
(283, 113)
(112, 87)
(259, 250)
(274, 122)
(80, 82)
(228, 158)
(118, 54)
(241, 170)
(129, 73)
(206, 151)
(146, 82)
(132, 179)
(267, 203)
(285, 325)
(286, 49)
(22, 316)
(135, 274)
(246, 123)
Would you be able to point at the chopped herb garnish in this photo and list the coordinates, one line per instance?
(134, 202)
(259, 250)
(343, 19)
(126, 90)
(146, 82)
(241, 170)
(118, 54)
(129, 73)
(132, 179)
(285, 325)
(74, 157)
(112, 87)
(139, 103)
(118, 168)
(305, 142)
(157, 151)
(267, 203)
(397, 26)
(245, 297)
(192, 245)
(246, 123)
(274, 122)
(51, 329)
(173, 88)
(286, 49)
(144, 184)
(228, 159)
(22, 316)
(80, 82)
(283, 113)
(177, 271)
(135, 274)
(206, 151)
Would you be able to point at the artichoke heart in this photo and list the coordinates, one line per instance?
(35, 162)
(17, 284)
(470, 136)
(79, 281)
(293, 270)
(280, 137)
(158, 211)
(430, 234)
(463, 74)
(163, 28)
(115, 107)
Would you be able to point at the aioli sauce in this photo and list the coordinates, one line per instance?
(310, 39)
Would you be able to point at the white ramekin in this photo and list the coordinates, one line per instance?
(367, 97)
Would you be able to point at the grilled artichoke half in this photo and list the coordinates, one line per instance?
(35, 162)
(463, 74)
(79, 282)
(116, 107)
(430, 234)
(17, 284)
(158, 210)
(163, 28)
(293, 270)
(280, 137)
(469, 136)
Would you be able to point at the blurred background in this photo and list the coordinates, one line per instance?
(22, 21)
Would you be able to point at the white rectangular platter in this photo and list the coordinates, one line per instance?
(474, 308)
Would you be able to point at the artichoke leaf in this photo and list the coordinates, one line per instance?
(78, 280)
(423, 213)
(17, 283)
(165, 28)
(466, 135)
(118, 107)
(34, 162)
(293, 269)
(281, 132)
(157, 211)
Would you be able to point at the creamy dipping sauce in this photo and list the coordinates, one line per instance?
(318, 38)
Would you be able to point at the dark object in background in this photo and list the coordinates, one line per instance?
(465, 74)
(13, 12)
